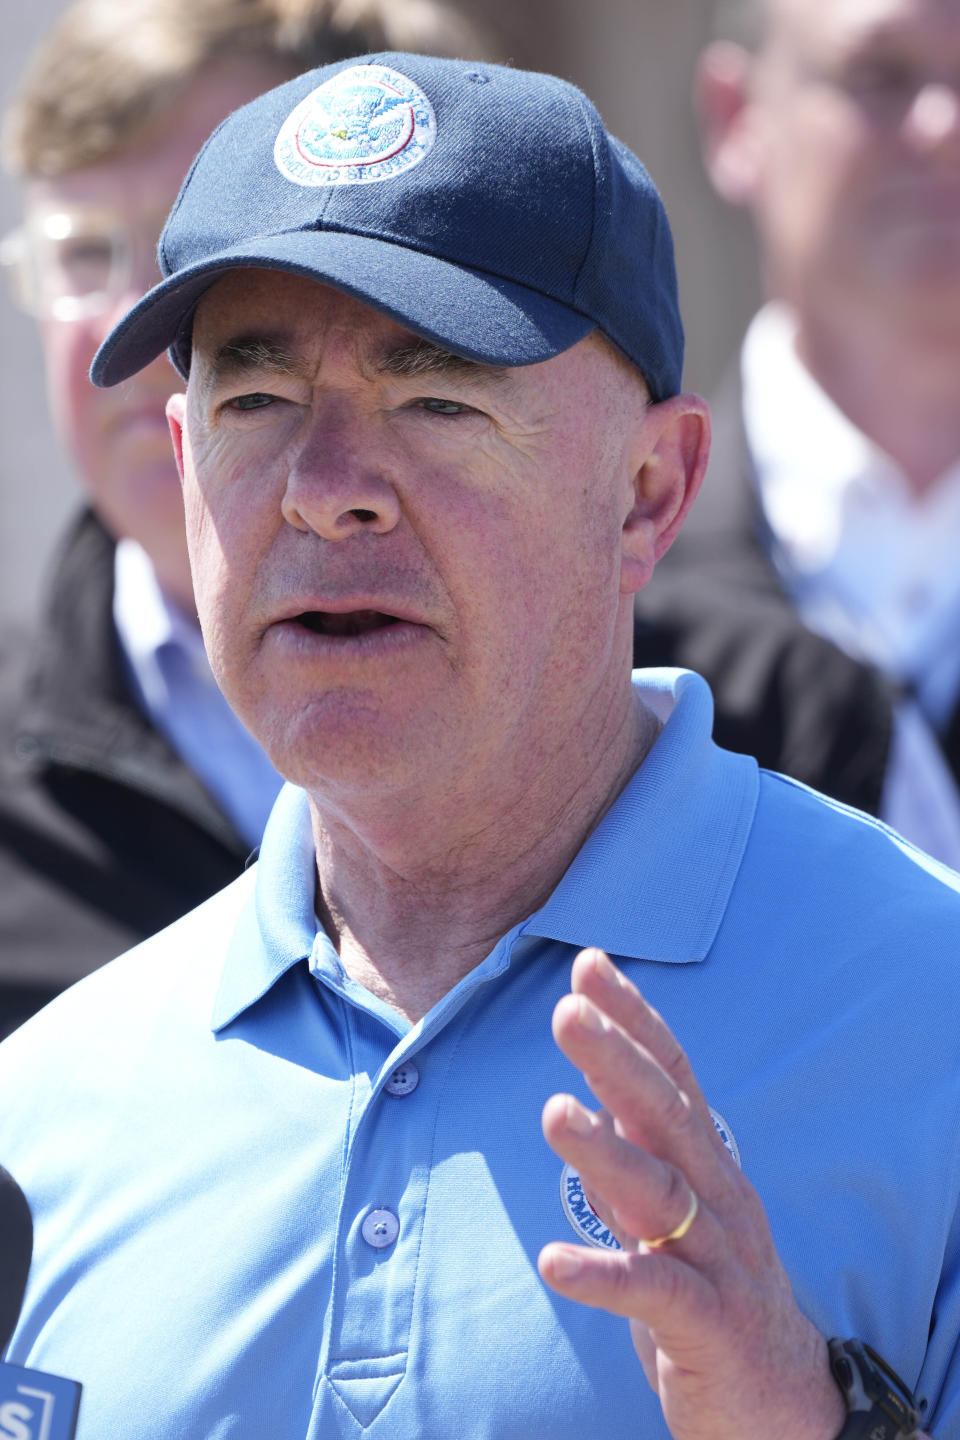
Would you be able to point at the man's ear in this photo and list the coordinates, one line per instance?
(728, 132)
(674, 447)
(176, 414)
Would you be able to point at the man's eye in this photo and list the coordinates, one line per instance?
(443, 407)
(255, 401)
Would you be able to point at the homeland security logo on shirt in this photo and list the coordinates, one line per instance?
(581, 1214)
(368, 123)
(584, 1219)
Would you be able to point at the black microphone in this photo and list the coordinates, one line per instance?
(33, 1405)
(16, 1252)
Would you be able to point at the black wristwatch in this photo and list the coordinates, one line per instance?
(881, 1406)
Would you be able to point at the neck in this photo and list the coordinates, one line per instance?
(390, 893)
(898, 385)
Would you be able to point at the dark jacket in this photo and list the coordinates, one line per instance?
(783, 693)
(105, 835)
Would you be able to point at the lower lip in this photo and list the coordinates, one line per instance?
(384, 642)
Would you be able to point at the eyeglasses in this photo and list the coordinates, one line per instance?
(68, 264)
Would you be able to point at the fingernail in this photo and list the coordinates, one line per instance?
(606, 970)
(609, 971)
(579, 1120)
(566, 1264)
(591, 1019)
(597, 958)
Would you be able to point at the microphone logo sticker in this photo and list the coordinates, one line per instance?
(36, 1406)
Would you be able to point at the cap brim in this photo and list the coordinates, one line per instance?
(466, 311)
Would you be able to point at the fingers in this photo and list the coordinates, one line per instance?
(712, 1310)
(648, 1108)
(640, 1197)
(642, 1286)
(597, 978)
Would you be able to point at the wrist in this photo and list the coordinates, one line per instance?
(819, 1409)
(878, 1404)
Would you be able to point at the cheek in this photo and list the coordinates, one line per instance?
(75, 403)
(199, 523)
(207, 532)
(221, 590)
(230, 524)
(819, 153)
(536, 576)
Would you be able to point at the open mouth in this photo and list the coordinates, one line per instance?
(354, 622)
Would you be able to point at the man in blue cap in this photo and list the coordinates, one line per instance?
(432, 442)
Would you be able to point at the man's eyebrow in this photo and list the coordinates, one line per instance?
(258, 354)
(423, 359)
(246, 354)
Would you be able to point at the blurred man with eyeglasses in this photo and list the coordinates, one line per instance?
(128, 790)
(817, 585)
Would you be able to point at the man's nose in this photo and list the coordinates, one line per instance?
(336, 487)
(933, 119)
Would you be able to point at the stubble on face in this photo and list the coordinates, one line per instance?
(495, 527)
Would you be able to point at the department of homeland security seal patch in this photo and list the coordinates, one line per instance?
(581, 1214)
(368, 123)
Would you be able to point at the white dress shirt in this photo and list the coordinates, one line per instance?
(867, 563)
(175, 687)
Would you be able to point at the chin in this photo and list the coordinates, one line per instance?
(341, 742)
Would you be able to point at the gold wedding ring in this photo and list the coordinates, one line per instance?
(678, 1232)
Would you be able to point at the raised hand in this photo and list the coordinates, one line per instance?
(714, 1320)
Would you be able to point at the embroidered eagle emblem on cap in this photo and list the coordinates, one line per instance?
(368, 123)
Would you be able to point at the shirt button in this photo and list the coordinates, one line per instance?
(404, 1079)
(380, 1228)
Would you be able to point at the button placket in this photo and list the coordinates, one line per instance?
(388, 1165)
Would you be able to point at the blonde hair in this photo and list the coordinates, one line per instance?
(106, 69)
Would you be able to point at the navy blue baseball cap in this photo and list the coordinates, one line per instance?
(483, 208)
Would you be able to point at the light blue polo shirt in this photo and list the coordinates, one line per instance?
(265, 1206)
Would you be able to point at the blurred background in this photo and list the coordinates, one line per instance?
(635, 60)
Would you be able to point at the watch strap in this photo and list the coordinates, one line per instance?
(880, 1405)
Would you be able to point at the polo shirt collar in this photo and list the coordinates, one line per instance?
(277, 924)
(651, 882)
(653, 879)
